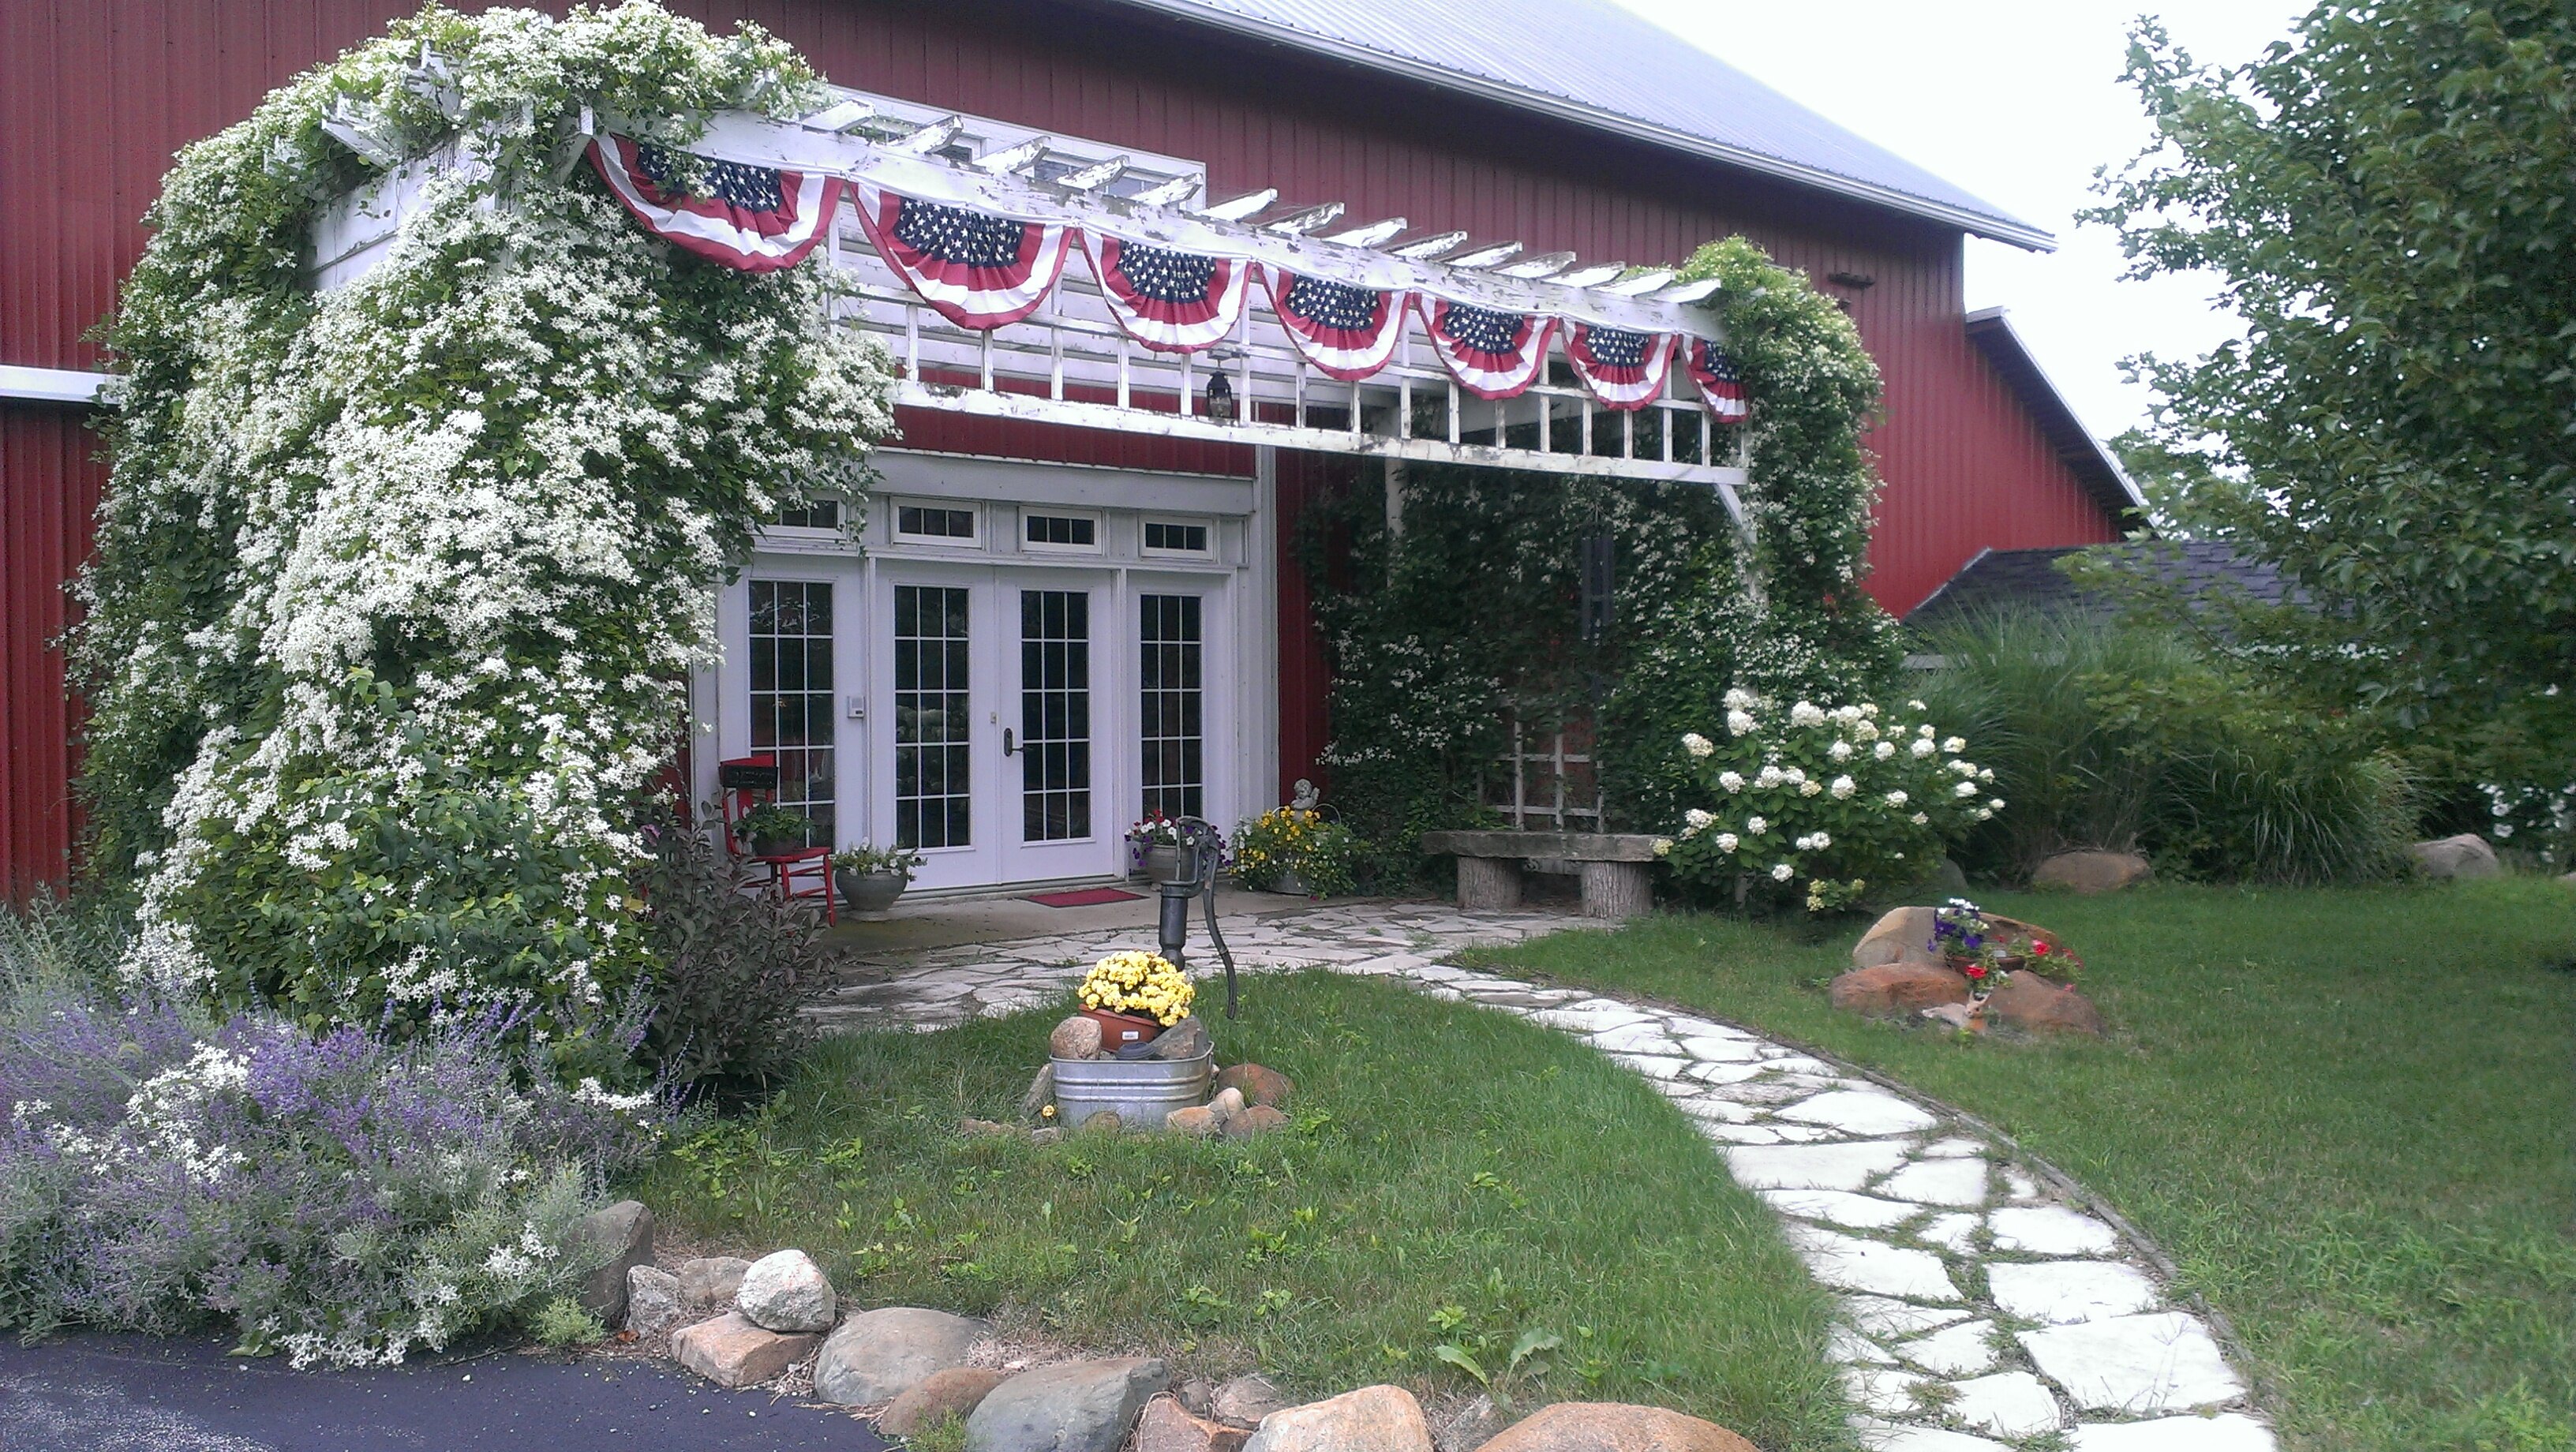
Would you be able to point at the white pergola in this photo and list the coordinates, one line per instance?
(1069, 363)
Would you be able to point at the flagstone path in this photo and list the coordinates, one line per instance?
(1982, 1309)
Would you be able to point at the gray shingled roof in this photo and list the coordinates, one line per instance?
(2201, 570)
(1600, 65)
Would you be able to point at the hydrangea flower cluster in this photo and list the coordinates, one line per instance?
(1834, 797)
(399, 585)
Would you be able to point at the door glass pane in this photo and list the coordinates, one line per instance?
(1168, 664)
(791, 695)
(1055, 715)
(931, 776)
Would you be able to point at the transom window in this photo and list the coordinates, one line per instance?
(1078, 533)
(1175, 537)
(809, 514)
(939, 524)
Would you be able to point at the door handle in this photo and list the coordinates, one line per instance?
(1008, 746)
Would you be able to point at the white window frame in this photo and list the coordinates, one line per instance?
(972, 510)
(1099, 531)
(1165, 552)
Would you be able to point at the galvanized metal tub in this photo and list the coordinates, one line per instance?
(1141, 1090)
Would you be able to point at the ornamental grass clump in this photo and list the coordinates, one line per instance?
(399, 584)
(340, 1199)
(1824, 803)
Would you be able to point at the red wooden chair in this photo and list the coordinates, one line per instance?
(805, 872)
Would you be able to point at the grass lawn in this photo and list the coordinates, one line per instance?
(1454, 1177)
(2347, 1114)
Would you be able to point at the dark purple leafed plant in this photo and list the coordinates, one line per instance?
(341, 1199)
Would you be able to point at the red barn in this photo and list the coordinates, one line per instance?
(1078, 545)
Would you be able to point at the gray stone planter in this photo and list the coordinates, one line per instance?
(867, 892)
(1162, 864)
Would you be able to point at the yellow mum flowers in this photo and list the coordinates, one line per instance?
(1140, 983)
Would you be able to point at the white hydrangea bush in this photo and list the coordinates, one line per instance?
(1821, 803)
(399, 586)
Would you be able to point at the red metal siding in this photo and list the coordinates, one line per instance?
(49, 484)
(95, 95)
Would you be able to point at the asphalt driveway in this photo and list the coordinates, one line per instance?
(96, 1393)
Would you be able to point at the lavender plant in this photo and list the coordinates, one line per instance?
(341, 1199)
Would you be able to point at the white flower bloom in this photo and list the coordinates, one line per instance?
(1793, 775)
(1869, 709)
(1811, 788)
(1696, 821)
(1984, 814)
(1755, 826)
(1769, 777)
(1916, 706)
(1740, 699)
(1964, 768)
(1840, 751)
(1733, 781)
(1964, 789)
(1922, 747)
(1920, 820)
(1806, 713)
(1783, 872)
(1896, 799)
(1727, 841)
(1663, 846)
(1994, 804)
(1847, 715)
(1955, 745)
(1867, 731)
(1698, 745)
(1985, 773)
(1739, 723)
(1883, 750)
(1924, 731)
(1844, 787)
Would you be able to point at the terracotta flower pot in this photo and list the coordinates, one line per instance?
(1118, 1030)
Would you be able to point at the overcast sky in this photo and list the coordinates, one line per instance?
(2017, 101)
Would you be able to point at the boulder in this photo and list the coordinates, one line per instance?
(1897, 989)
(1075, 1038)
(2466, 855)
(1198, 1121)
(1245, 1400)
(2030, 1002)
(2092, 872)
(1257, 1119)
(1167, 1426)
(1257, 1084)
(711, 1280)
(1101, 1121)
(878, 1355)
(1183, 1041)
(652, 1299)
(1903, 935)
(621, 1236)
(943, 1394)
(1612, 1427)
(1228, 1103)
(1372, 1419)
(786, 1291)
(1080, 1406)
(1196, 1394)
(1041, 1093)
(732, 1352)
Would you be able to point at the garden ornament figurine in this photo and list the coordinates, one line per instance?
(1305, 798)
(1202, 851)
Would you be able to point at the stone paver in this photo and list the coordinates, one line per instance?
(1889, 1201)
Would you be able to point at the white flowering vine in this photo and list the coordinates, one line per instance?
(399, 585)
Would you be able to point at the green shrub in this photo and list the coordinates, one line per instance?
(562, 1322)
(2125, 737)
(730, 971)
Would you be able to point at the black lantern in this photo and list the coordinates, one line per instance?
(1220, 399)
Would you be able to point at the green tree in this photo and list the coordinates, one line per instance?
(2385, 199)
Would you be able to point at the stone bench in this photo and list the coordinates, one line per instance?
(1613, 866)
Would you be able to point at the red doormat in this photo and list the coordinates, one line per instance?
(1084, 897)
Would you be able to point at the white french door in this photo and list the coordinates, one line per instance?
(989, 754)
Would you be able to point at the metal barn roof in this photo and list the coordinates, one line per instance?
(1594, 63)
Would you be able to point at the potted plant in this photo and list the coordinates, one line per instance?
(1294, 850)
(1154, 847)
(1134, 996)
(770, 830)
(869, 879)
(1987, 950)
